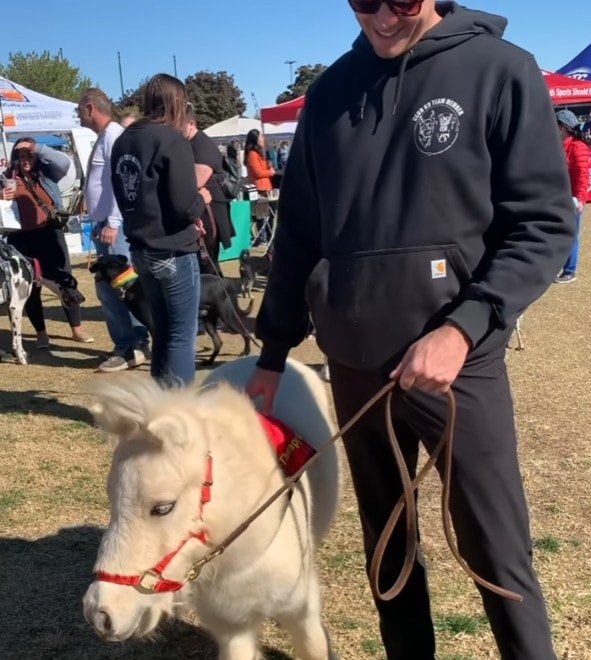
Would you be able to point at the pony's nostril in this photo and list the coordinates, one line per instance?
(104, 622)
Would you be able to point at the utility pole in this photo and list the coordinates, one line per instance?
(174, 62)
(60, 54)
(120, 74)
(291, 63)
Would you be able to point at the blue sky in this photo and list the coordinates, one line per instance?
(251, 39)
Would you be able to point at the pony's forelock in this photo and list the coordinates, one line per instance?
(122, 402)
(131, 405)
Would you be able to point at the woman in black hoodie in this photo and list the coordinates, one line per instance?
(415, 258)
(155, 187)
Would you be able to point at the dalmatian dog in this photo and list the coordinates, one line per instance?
(17, 277)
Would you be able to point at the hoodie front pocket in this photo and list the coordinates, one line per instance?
(368, 307)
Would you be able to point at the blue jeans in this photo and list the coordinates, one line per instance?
(124, 329)
(172, 286)
(573, 258)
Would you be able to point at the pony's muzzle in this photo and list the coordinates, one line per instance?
(119, 612)
(101, 618)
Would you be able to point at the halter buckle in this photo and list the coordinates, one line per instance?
(148, 582)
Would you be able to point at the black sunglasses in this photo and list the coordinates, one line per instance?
(397, 7)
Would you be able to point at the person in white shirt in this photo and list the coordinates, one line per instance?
(130, 337)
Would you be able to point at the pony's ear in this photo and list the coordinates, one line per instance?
(122, 402)
(115, 421)
(169, 429)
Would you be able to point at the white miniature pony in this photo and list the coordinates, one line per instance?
(189, 467)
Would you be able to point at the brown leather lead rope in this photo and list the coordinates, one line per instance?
(407, 501)
(287, 485)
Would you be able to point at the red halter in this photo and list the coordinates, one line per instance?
(292, 453)
(152, 581)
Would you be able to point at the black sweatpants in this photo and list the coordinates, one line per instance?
(487, 503)
(49, 247)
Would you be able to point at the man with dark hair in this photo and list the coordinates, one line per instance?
(422, 211)
(130, 337)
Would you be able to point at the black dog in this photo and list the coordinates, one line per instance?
(218, 300)
(109, 269)
(251, 266)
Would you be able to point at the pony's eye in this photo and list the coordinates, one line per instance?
(162, 509)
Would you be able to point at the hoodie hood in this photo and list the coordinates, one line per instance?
(458, 25)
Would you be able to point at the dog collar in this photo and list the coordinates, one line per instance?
(125, 279)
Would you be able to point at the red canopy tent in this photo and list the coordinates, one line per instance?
(288, 111)
(567, 91)
(563, 91)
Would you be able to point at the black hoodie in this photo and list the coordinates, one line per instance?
(153, 175)
(427, 187)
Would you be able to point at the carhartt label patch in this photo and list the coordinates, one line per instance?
(438, 269)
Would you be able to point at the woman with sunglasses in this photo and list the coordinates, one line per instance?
(156, 191)
(37, 170)
(415, 257)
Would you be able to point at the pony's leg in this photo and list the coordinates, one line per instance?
(235, 642)
(304, 625)
(238, 645)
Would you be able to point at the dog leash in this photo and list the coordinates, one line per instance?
(406, 501)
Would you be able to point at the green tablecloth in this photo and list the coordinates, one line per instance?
(240, 215)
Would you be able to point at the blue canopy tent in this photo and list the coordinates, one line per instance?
(580, 66)
(42, 138)
(51, 140)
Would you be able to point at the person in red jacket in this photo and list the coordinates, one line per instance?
(577, 158)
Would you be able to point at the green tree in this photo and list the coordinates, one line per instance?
(305, 76)
(133, 99)
(45, 73)
(214, 96)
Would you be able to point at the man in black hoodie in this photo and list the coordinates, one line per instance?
(422, 211)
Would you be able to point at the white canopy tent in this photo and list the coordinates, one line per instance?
(237, 127)
(25, 110)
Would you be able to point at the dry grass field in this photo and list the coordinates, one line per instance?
(53, 504)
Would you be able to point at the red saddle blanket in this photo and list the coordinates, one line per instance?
(292, 450)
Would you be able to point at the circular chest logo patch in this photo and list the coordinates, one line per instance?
(129, 170)
(437, 126)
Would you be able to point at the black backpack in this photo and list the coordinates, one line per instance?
(230, 179)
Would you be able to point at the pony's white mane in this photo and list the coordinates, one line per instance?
(131, 404)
